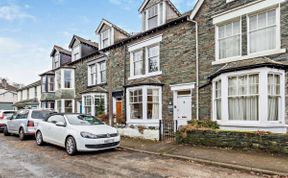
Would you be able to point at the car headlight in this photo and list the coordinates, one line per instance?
(88, 135)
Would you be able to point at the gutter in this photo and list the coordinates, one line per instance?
(197, 68)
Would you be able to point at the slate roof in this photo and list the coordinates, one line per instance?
(50, 72)
(145, 81)
(27, 102)
(37, 83)
(8, 87)
(114, 26)
(168, 1)
(61, 50)
(249, 64)
(96, 89)
(82, 40)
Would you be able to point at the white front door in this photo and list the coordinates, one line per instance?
(184, 108)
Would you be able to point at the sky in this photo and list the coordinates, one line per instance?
(30, 28)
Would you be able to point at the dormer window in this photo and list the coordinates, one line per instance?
(105, 38)
(76, 53)
(56, 61)
(153, 17)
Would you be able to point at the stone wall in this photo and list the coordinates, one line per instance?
(277, 143)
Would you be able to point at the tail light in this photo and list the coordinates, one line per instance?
(2, 115)
(30, 124)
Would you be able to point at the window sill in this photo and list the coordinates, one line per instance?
(100, 84)
(146, 75)
(252, 124)
(259, 54)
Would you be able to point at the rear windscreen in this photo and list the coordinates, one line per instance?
(40, 114)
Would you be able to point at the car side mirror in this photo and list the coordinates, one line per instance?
(60, 124)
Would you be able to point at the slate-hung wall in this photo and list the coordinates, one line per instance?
(207, 47)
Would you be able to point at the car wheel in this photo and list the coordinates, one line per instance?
(39, 138)
(21, 134)
(71, 146)
(5, 131)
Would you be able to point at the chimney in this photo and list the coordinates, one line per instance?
(4, 83)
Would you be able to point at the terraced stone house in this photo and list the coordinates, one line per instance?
(224, 60)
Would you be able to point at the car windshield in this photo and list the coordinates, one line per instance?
(41, 114)
(83, 120)
(8, 113)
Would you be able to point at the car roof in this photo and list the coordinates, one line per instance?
(7, 111)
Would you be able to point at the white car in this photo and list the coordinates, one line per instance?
(4, 114)
(77, 132)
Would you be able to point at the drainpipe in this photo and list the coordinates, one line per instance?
(197, 68)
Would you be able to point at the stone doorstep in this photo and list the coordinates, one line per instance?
(167, 150)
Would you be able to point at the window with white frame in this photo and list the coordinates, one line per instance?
(229, 40)
(67, 79)
(59, 105)
(136, 104)
(243, 101)
(88, 105)
(105, 38)
(95, 104)
(153, 17)
(93, 74)
(43, 81)
(153, 103)
(97, 73)
(102, 71)
(76, 52)
(262, 31)
(153, 58)
(58, 79)
(99, 104)
(218, 101)
(68, 106)
(138, 63)
(144, 103)
(51, 83)
(273, 97)
(56, 61)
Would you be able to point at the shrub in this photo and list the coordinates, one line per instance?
(208, 124)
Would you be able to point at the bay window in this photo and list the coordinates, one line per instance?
(87, 105)
(50, 83)
(144, 104)
(68, 106)
(58, 79)
(95, 104)
(93, 74)
(67, 79)
(262, 31)
(253, 97)
(56, 61)
(229, 40)
(273, 96)
(43, 81)
(136, 104)
(218, 99)
(243, 98)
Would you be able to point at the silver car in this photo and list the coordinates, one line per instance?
(25, 122)
(4, 114)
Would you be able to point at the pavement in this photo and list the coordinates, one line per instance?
(25, 159)
(258, 161)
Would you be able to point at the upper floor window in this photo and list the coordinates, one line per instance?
(97, 73)
(153, 17)
(56, 61)
(229, 40)
(137, 63)
(76, 52)
(105, 38)
(50, 83)
(153, 58)
(67, 79)
(262, 31)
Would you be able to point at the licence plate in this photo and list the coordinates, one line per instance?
(109, 141)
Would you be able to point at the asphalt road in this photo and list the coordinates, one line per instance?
(26, 159)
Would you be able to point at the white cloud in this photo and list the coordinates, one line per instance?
(23, 61)
(14, 12)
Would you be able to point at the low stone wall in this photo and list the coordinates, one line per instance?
(147, 134)
(277, 143)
